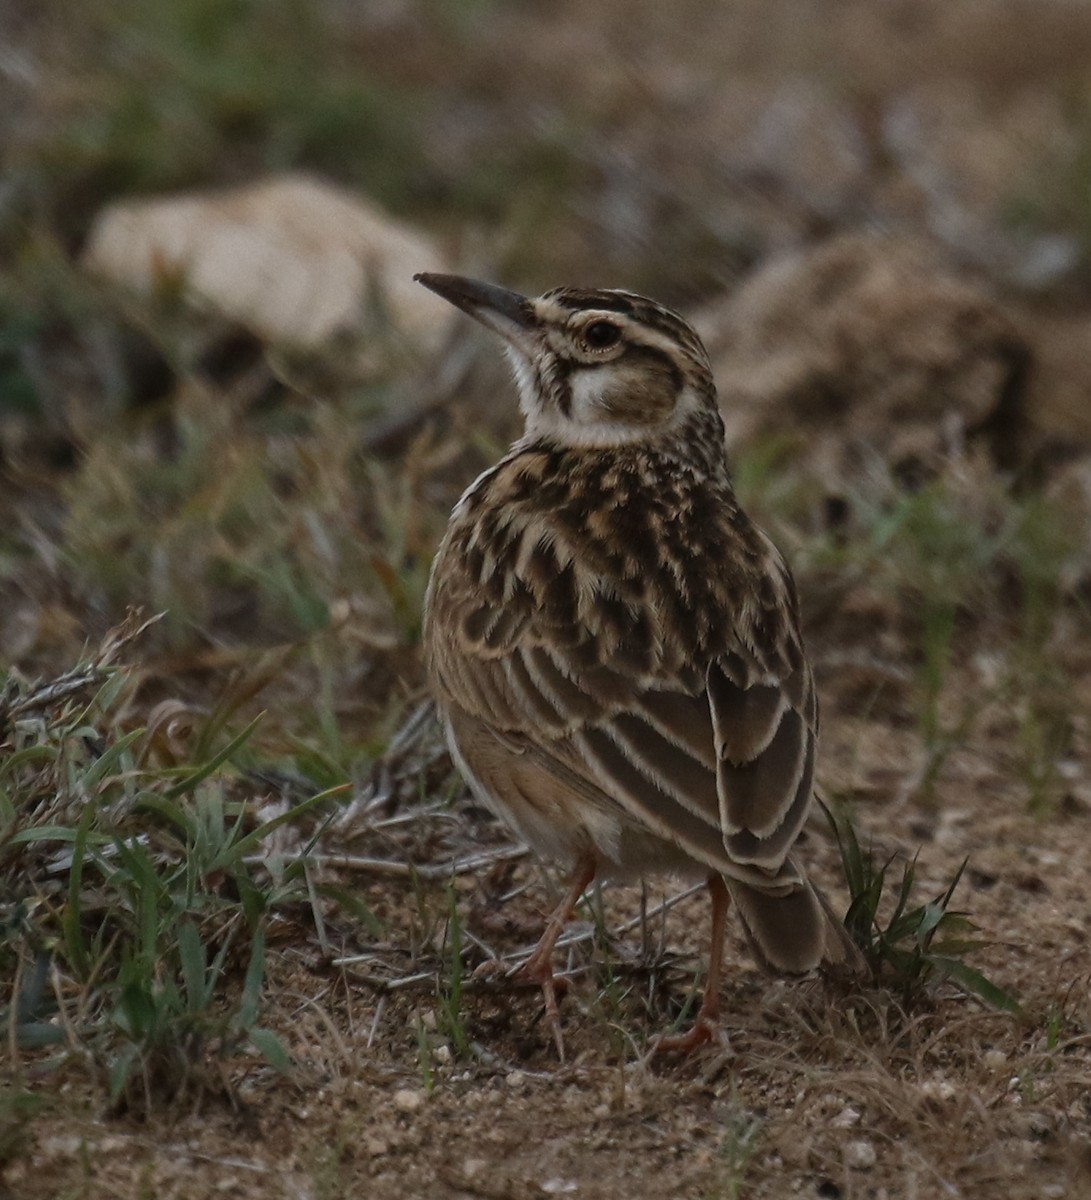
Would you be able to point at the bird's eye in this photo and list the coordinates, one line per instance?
(601, 335)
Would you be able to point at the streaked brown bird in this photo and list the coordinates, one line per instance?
(615, 647)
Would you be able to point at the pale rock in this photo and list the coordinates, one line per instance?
(871, 353)
(408, 1100)
(62, 1145)
(292, 257)
(939, 1091)
(558, 1187)
(995, 1060)
(860, 1155)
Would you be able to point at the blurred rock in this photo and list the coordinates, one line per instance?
(292, 258)
(867, 350)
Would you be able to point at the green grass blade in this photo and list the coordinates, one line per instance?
(121, 1070)
(28, 756)
(190, 781)
(105, 763)
(194, 964)
(249, 1004)
(72, 921)
(250, 842)
(59, 833)
(974, 981)
(270, 1048)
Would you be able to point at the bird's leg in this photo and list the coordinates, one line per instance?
(539, 966)
(706, 1026)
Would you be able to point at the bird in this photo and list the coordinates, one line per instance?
(613, 645)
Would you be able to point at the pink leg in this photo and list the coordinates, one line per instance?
(539, 966)
(706, 1025)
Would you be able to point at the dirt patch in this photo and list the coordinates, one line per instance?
(819, 1092)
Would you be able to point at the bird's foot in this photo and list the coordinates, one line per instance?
(539, 970)
(536, 972)
(706, 1028)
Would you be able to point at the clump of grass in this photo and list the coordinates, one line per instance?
(918, 945)
(936, 551)
(964, 566)
(135, 901)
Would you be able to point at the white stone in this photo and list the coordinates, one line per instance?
(938, 1089)
(860, 1155)
(63, 1145)
(408, 1100)
(292, 257)
(995, 1060)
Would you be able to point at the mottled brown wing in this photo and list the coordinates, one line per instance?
(719, 761)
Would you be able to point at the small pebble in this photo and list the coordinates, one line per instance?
(846, 1118)
(938, 1089)
(995, 1060)
(407, 1100)
(515, 1080)
(63, 1145)
(860, 1155)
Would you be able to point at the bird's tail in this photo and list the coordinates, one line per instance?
(791, 933)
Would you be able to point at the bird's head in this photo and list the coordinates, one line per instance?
(596, 368)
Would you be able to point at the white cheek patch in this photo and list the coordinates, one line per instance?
(586, 389)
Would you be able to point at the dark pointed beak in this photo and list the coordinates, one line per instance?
(506, 313)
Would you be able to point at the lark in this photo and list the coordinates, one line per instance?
(615, 648)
